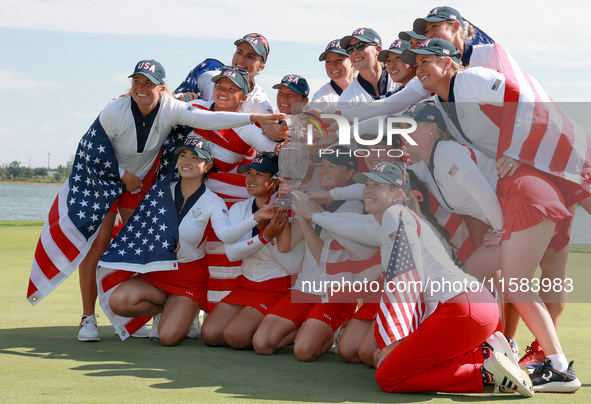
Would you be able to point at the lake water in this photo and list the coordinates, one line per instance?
(32, 202)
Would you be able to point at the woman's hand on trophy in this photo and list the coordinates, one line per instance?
(320, 195)
(265, 212)
(303, 206)
(284, 189)
(276, 225)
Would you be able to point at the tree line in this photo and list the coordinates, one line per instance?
(16, 172)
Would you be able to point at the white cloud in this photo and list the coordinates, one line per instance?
(10, 80)
(45, 130)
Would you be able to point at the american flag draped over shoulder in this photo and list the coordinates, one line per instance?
(401, 305)
(533, 128)
(145, 244)
(76, 214)
(190, 82)
(148, 239)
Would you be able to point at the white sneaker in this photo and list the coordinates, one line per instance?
(504, 373)
(498, 343)
(153, 334)
(88, 331)
(195, 329)
(143, 332)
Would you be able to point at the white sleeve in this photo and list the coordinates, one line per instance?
(290, 261)
(207, 120)
(241, 249)
(260, 107)
(478, 187)
(412, 93)
(485, 86)
(452, 157)
(220, 221)
(353, 192)
(256, 138)
(349, 225)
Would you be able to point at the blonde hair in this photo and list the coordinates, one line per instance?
(410, 200)
(454, 67)
(466, 30)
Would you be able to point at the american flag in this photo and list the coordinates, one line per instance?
(400, 312)
(145, 244)
(190, 82)
(533, 128)
(76, 214)
(147, 241)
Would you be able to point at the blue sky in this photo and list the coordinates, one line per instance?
(63, 60)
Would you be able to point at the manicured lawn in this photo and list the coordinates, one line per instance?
(41, 360)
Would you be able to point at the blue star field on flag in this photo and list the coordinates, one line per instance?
(94, 182)
(148, 240)
(190, 82)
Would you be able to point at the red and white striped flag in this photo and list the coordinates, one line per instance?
(533, 128)
(401, 305)
(76, 214)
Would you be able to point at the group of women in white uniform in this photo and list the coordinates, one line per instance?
(511, 204)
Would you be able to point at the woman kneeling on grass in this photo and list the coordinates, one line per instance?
(265, 272)
(472, 352)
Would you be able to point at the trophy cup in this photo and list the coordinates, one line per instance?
(293, 158)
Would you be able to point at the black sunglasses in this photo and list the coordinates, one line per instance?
(359, 46)
(269, 155)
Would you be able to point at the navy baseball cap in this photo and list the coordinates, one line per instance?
(238, 76)
(398, 46)
(386, 173)
(262, 163)
(258, 42)
(426, 112)
(407, 35)
(335, 47)
(435, 46)
(199, 146)
(367, 35)
(437, 14)
(339, 155)
(295, 83)
(152, 69)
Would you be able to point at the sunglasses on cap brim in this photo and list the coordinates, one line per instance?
(359, 46)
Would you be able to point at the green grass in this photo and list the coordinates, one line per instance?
(41, 360)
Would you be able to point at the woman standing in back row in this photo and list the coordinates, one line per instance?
(136, 125)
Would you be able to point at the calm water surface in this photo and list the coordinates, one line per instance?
(32, 202)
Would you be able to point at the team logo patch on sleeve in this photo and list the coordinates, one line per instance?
(496, 84)
(453, 170)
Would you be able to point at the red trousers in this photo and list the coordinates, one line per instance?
(444, 353)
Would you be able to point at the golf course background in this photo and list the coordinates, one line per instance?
(41, 360)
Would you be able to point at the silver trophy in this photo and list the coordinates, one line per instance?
(293, 158)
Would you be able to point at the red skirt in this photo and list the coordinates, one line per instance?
(259, 295)
(189, 280)
(529, 198)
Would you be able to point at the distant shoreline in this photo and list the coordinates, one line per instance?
(30, 182)
(582, 248)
